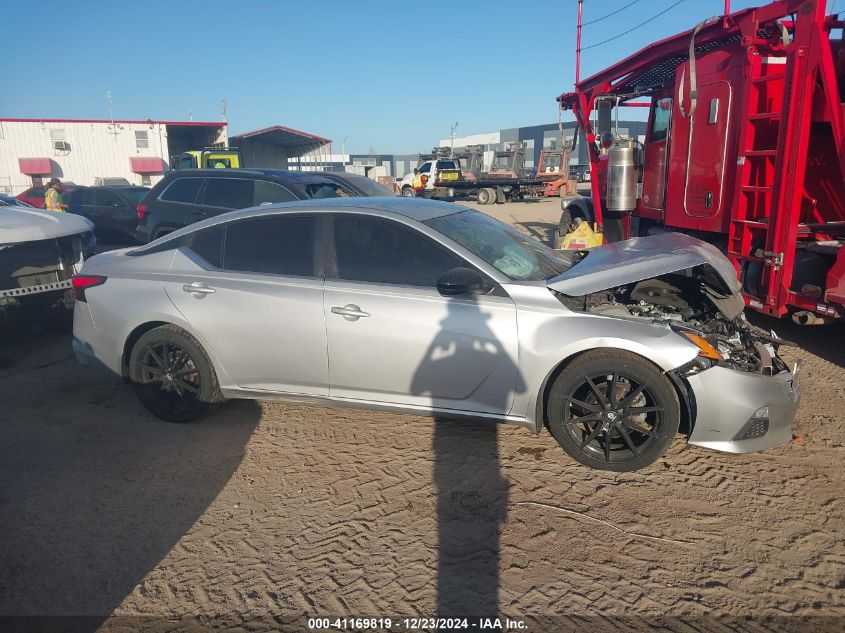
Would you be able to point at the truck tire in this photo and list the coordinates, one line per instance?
(486, 196)
(407, 192)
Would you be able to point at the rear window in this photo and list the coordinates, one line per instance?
(279, 245)
(230, 193)
(208, 244)
(446, 164)
(182, 190)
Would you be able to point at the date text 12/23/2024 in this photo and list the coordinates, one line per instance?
(415, 624)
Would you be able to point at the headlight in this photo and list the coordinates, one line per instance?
(705, 349)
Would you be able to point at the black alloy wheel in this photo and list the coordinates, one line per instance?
(613, 410)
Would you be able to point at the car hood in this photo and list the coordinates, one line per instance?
(640, 258)
(22, 224)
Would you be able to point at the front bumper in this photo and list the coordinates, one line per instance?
(725, 402)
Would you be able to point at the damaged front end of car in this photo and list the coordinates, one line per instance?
(740, 394)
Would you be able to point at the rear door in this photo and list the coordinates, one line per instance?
(113, 212)
(656, 153)
(177, 206)
(253, 290)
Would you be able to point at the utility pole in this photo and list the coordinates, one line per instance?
(343, 151)
(452, 134)
(225, 111)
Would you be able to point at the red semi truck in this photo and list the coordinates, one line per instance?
(745, 148)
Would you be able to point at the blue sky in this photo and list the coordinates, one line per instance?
(391, 76)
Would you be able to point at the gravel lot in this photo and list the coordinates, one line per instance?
(296, 511)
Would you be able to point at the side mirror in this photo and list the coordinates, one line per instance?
(460, 281)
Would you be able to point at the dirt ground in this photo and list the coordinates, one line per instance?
(264, 515)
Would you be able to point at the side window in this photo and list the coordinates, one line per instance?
(279, 245)
(661, 119)
(105, 198)
(425, 168)
(269, 192)
(182, 190)
(386, 252)
(320, 190)
(208, 244)
(230, 193)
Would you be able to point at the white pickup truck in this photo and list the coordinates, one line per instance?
(440, 173)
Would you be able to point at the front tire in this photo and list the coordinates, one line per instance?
(613, 410)
(407, 192)
(172, 375)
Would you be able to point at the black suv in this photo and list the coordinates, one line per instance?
(189, 195)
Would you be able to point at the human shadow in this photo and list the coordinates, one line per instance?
(471, 492)
(94, 491)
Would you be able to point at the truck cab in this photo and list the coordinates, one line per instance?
(208, 158)
(440, 173)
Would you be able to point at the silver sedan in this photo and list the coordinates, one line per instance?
(419, 306)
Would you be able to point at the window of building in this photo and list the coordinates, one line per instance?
(269, 192)
(142, 141)
(145, 180)
(386, 252)
(57, 139)
(182, 190)
(280, 245)
(229, 193)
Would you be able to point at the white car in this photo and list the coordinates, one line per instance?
(39, 253)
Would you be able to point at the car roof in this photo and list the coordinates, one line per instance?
(414, 208)
(239, 172)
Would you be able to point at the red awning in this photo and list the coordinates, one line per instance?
(35, 166)
(146, 165)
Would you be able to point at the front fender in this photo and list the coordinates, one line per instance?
(549, 340)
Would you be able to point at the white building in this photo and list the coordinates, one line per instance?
(82, 151)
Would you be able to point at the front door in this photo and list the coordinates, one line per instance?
(394, 339)
(257, 302)
(654, 164)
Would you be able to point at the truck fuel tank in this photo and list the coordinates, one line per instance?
(622, 175)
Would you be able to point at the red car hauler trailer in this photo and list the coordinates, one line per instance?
(745, 148)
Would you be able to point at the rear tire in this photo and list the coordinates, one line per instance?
(613, 410)
(407, 192)
(172, 375)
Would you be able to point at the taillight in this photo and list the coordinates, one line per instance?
(142, 211)
(82, 282)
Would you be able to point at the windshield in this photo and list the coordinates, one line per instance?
(503, 247)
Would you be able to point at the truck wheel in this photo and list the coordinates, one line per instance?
(407, 192)
(485, 196)
(613, 410)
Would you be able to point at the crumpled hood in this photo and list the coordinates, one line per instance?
(641, 258)
(21, 224)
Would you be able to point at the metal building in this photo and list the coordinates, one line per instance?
(84, 151)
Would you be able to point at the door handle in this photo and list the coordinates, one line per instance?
(198, 289)
(200, 213)
(350, 312)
